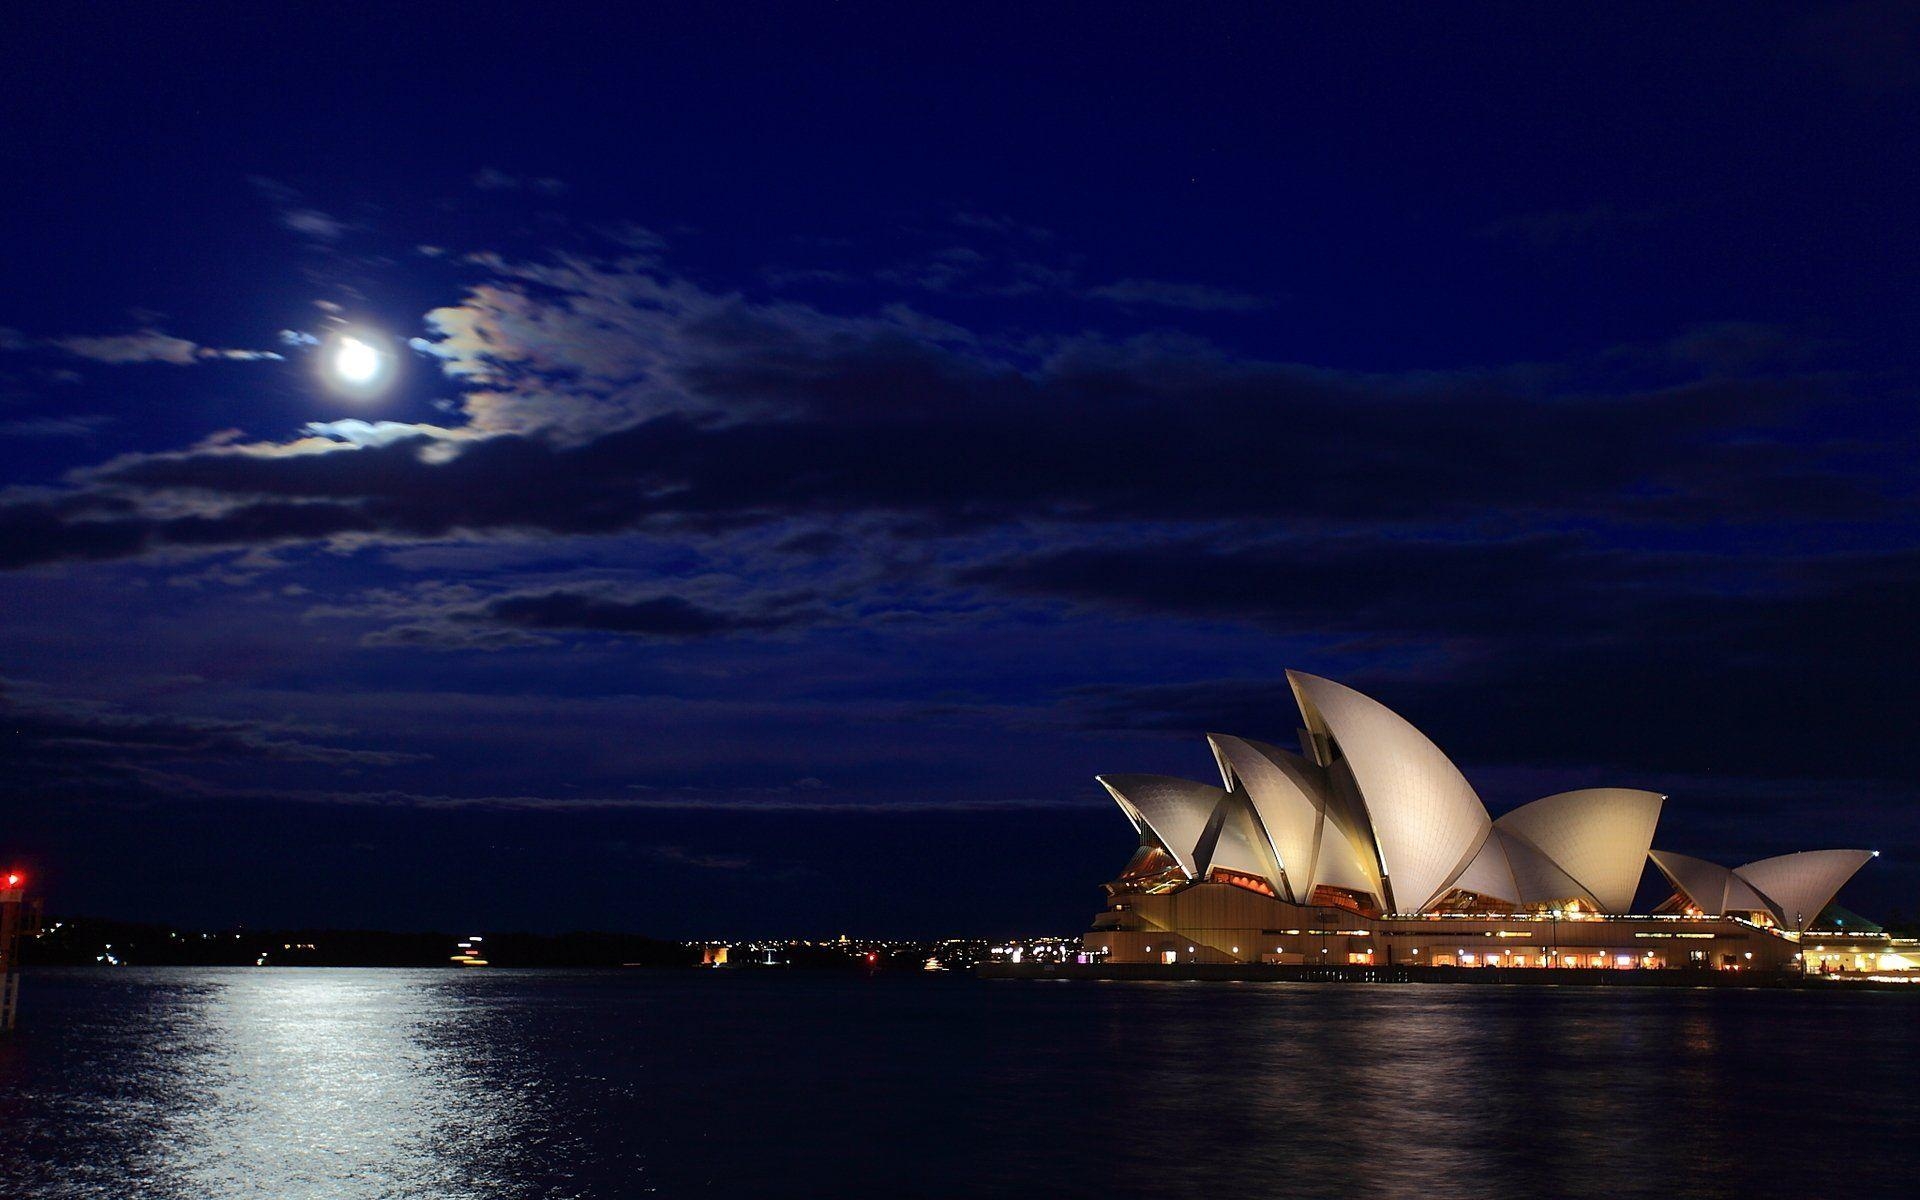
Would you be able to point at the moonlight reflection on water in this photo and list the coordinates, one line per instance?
(280, 1083)
(342, 1080)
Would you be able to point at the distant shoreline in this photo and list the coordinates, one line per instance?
(92, 941)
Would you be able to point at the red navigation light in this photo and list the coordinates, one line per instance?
(872, 957)
(15, 879)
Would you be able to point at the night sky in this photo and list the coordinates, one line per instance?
(817, 440)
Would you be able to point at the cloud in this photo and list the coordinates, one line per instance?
(81, 425)
(1000, 225)
(1013, 265)
(1384, 585)
(657, 616)
(1203, 705)
(491, 179)
(782, 278)
(632, 236)
(242, 355)
(147, 345)
(293, 212)
(58, 746)
(315, 225)
(357, 432)
(967, 271)
(604, 398)
(1194, 297)
(140, 346)
(1738, 347)
(451, 619)
(577, 346)
(741, 801)
(1563, 226)
(443, 636)
(56, 740)
(680, 856)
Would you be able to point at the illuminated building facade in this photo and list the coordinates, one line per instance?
(1369, 847)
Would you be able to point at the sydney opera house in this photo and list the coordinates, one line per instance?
(1369, 847)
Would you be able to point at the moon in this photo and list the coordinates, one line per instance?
(358, 363)
(355, 361)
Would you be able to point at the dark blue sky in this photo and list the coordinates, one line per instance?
(821, 439)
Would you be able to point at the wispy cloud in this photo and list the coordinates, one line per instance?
(314, 225)
(741, 801)
(83, 425)
(1166, 293)
(1564, 226)
(143, 346)
(293, 212)
(647, 615)
(139, 346)
(680, 856)
(492, 179)
(53, 739)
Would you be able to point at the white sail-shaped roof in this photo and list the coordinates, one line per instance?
(1349, 858)
(1426, 819)
(1284, 793)
(1598, 836)
(1793, 887)
(1511, 869)
(1539, 879)
(1714, 890)
(1698, 880)
(1800, 885)
(1744, 897)
(1489, 873)
(1346, 862)
(1174, 811)
(1239, 844)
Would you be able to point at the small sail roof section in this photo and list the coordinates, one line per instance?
(1426, 820)
(1698, 880)
(1345, 860)
(1239, 844)
(1800, 885)
(1598, 836)
(1349, 857)
(1744, 897)
(1285, 794)
(1538, 878)
(1489, 874)
(1175, 811)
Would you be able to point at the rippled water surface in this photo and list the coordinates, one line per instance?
(208, 1084)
